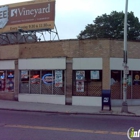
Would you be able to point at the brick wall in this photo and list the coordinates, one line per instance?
(71, 49)
(116, 49)
(9, 52)
(69, 81)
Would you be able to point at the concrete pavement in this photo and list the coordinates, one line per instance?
(72, 109)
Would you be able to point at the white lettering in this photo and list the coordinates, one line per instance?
(106, 100)
(136, 134)
(35, 12)
(28, 12)
(48, 8)
(31, 12)
(20, 12)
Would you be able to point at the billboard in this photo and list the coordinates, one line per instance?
(28, 16)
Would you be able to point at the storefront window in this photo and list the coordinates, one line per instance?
(7, 81)
(136, 78)
(42, 82)
(35, 77)
(24, 81)
(35, 81)
(59, 78)
(2, 80)
(136, 85)
(80, 78)
(115, 77)
(48, 77)
(10, 81)
(87, 83)
(24, 74)
(116, 84)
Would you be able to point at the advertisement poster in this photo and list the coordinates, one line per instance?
(58, 78)
(31, 15)
(94, 75)
(80, 75)
(79, 86)
(35, 79)
(24, 74)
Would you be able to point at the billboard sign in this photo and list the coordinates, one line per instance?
(28, 16)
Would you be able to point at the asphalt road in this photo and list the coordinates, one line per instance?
(16, 125)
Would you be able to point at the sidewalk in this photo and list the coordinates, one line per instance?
(53, 108)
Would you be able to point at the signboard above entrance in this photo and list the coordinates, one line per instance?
(28, 16)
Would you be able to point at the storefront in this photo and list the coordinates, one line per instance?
(42, 80)
(70, 72)
(7, 78)
(133, 81)
(87, 81)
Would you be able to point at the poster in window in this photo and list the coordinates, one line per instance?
(94, 75)
(136, 79)
(10, 74)
(79, 86)
(80, 75)
(24, 74)
(58, 78)
(10, 85)
(35, 79)
(2, 75)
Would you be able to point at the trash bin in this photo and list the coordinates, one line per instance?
(106, 101)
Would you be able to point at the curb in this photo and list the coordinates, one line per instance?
(76, 113)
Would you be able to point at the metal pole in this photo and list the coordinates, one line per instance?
(124, 104)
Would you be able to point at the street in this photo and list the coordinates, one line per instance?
(17, 125)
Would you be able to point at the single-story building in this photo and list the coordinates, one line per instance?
(73, 72)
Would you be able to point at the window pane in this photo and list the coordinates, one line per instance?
(24, 83)
(136, 78)
(10, 80)
(115, 83)
(136, 85)
(35, 82)
(47, 81)
(2, 80)
(24, 76)
(35, 77)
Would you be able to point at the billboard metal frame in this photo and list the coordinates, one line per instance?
(21, 37)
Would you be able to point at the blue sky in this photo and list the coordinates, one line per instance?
(73, 15)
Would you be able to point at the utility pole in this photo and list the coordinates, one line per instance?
(124, 104)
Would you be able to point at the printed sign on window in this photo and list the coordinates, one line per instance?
(94, 75)
(80, 75)
(24, 74)
(79, 86)
(58, 78)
